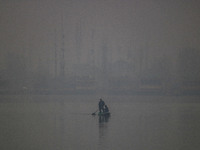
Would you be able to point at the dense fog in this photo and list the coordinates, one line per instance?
(93, 46)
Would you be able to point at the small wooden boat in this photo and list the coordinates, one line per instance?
(103, 113)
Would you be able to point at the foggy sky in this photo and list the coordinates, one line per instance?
(33, 27)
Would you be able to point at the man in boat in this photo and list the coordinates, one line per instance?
(106, 110)
(101, 105)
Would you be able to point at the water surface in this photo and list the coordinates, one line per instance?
(65, 122)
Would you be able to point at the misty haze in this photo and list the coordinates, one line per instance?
(59, 57)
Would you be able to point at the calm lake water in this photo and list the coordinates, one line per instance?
(65, 123)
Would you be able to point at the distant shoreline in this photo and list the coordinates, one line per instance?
(99, 91)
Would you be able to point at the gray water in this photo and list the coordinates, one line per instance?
(66, 123)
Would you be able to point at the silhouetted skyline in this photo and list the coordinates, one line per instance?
(97, 38)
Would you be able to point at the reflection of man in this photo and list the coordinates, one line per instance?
(101, 105)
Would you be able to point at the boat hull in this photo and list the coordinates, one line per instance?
(104, 114)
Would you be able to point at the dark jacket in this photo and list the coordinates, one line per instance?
(106, 109)
(101, 104)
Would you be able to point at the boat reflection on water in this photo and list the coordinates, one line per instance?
(104, 118)
(103, 130)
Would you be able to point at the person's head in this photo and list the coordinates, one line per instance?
(100, 99)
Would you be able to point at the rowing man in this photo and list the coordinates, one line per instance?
(101, 105)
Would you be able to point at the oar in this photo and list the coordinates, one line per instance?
(94, 113)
